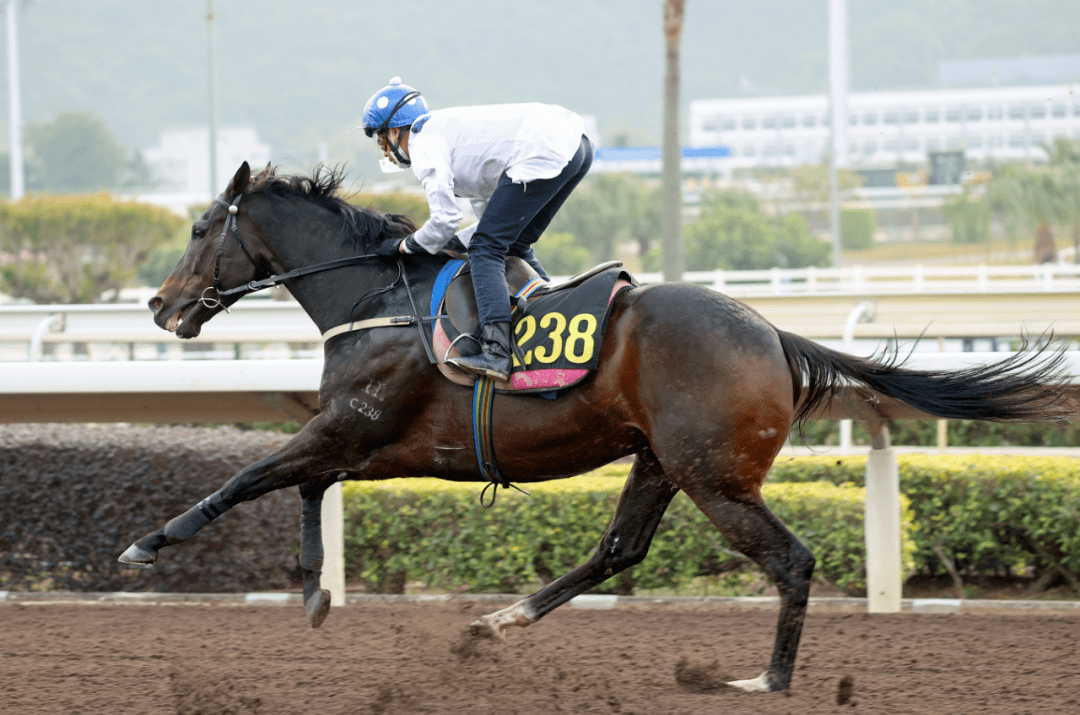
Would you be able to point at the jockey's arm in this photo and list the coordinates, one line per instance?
(431, 164)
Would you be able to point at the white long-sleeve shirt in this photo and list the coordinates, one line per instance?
(465, 151)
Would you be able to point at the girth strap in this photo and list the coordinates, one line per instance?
(483, 399)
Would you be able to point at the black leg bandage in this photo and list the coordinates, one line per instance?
(188, 524)
(311, 544)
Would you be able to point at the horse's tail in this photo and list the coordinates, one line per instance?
(1028, 386)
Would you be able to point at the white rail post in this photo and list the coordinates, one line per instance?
(333, 537)
(862, 313)
(53, 322)
(719, 280)
(884, 577)
(333, 540)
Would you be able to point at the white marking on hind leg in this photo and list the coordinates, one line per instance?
(759, 684)
(495, 624)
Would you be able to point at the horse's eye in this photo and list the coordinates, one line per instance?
(197, 232)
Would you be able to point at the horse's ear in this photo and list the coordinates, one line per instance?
(268, 171)
(239, 181)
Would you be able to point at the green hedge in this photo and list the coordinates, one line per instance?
(436, 533)
(993, 516)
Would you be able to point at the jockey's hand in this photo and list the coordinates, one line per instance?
(389, 249)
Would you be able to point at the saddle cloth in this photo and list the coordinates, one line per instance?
(559, 334)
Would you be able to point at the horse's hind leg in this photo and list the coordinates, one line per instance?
(753, 530)
(316, 598)
(644, 498)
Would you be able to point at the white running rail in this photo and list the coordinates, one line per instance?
(264, 328)
(888, 280)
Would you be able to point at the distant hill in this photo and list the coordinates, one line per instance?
(300, 72)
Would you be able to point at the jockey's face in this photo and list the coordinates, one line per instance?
(384, 139)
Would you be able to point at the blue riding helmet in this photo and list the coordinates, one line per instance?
(395, 105)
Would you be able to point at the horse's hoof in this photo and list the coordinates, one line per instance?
(138, 556)
(760, 684)
(318, 607)
(484, 629)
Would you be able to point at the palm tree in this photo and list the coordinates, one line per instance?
(1065, 161)
(1069, 183)
(1028, 197)
(671, 219)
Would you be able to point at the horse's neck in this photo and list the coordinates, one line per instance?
(330, 298)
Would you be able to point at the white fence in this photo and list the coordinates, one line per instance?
(888, 280)
(264, 328)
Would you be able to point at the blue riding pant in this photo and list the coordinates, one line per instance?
(515, 217)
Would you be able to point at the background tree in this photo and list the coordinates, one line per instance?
(1026, 197)
(562, 255)
(74, 153)
(64, 249)
(732, 233)
(1069, 183)
(608, 210)
(810, 182)
(646, 207)
(1064, 157)
(415, 206)
(969, 218)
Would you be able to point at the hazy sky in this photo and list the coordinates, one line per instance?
(301, 71)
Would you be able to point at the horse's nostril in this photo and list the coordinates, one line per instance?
(155, 303)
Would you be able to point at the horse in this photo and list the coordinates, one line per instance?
(697, 387)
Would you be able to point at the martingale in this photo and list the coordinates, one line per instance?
(558, 336)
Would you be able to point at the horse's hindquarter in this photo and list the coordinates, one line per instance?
(683, 371)
(702, 376)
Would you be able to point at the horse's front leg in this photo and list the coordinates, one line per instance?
(642, 503)
(316, 598)
(304, 459)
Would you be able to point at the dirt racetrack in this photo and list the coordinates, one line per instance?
(399, 658)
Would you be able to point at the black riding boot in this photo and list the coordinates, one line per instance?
(494, 361)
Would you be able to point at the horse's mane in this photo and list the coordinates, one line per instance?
(364, 226)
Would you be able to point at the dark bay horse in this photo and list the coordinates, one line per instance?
(699, 388)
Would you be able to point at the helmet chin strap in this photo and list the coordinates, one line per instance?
(395, 148)
(399, 161)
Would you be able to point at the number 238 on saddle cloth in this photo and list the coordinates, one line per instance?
(558, 337)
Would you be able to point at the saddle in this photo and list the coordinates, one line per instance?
(557, 330)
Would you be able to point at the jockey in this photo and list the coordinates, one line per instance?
(516, 163)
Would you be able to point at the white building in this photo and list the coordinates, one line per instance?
(885, 128)
(181, 163)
